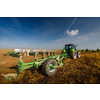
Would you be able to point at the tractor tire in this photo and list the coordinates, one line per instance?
(45, 66)
(73, 55)
(78, 54)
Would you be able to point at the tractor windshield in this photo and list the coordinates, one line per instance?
(69, 47)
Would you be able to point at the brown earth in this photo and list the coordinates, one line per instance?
(85, 70)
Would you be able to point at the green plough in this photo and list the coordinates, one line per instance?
(49, 64)
(12, 53)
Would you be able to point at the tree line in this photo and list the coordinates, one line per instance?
(87, 50)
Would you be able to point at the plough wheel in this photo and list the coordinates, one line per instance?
(45, 66)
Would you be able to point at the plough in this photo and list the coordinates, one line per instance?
(49, 64)
(18, 51)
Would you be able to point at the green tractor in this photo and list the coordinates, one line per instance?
(70, 49)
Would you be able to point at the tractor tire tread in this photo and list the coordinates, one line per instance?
(44, 66)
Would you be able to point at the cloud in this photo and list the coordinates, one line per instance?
(79, 37)
(85, 38)
(70, 25)
(72, 33)
(6, 43)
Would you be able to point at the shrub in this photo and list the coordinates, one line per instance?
(82, 50)
(86, 50)
(98, 50)
(89, 50)
(92, 50)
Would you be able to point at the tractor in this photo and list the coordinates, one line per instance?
(70, 49)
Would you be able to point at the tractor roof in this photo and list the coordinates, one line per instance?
(69, 44)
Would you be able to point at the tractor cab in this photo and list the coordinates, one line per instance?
(69, 48)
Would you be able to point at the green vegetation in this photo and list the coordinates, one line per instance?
(82, 50)
(87, 50)
(98, 50)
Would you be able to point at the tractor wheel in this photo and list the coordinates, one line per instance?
(78, 54)
(73, 55)
(45, 66)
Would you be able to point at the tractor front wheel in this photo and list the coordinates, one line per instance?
(73, 55)
(45, 66)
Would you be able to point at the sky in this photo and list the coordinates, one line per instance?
(49, 32)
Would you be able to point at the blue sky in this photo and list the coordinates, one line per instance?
(49, 32)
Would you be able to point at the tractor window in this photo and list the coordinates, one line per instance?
(70, 47)
(66, 47)
(73, 47)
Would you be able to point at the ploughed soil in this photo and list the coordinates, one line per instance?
(84, 70)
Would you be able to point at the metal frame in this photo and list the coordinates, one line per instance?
(38, 62)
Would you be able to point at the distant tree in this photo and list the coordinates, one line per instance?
(92, 50)
(82, 50)
(98, 50)
(86, 50)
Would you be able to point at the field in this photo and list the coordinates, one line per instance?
(85, 70)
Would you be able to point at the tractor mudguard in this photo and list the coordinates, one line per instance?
(64, 50)
(72, 50)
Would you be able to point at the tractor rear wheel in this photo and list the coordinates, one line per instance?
(78, 54)
(73, 55)
(45, 66)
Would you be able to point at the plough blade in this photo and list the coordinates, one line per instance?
(11, 76)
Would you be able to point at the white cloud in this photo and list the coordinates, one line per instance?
(70, 25)
(85, 38)
(79, 37)
(73, 32)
